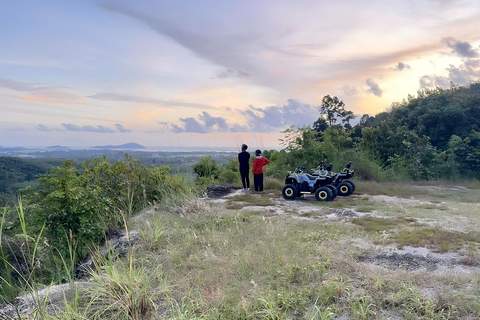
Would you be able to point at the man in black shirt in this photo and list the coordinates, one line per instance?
(243, 159)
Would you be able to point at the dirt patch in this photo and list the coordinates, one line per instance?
(219, 191)
(409, 261)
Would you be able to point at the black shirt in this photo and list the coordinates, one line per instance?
(243, 158)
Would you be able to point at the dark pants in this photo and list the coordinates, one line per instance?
(258, 181)
(245, 178)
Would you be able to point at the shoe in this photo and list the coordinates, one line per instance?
(244, 190)
(248, 189)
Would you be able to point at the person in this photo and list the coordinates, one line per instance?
(243, 159)
(258, 163)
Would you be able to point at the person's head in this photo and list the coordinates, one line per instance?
(244, 147)
(258, 152)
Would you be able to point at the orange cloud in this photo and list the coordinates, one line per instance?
(52, 97)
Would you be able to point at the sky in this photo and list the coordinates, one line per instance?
(217, 73)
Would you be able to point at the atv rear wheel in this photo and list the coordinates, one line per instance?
(324, 194)
(344, 188)
(353, 184)
(289, 192)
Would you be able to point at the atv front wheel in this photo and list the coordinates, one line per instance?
(333, 189)
(324, 194)
(344, 188)
(289, 192)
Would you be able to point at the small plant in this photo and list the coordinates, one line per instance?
(362, 307)
(123, 290)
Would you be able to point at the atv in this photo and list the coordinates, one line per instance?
(298, 183)
(340, 180)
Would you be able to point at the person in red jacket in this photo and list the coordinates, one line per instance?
(258, 163)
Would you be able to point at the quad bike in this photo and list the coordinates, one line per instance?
(340, 180)
(298, 183)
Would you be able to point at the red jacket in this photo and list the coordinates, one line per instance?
(258, 164)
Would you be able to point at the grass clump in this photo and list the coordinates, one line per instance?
(374, 224)
(123, 290)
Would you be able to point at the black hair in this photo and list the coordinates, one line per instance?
(244, 147)
(258, 152)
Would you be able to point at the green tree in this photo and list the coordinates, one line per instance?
(331, 110)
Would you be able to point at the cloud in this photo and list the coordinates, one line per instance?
(402, 66)
(460, 48)
(432, 81)
(87, 128)
(204, 123)
(109, 96)
(231, 73)
(374, 88)
(348, 90)
(44, 128)
(121, 128)
(22, 86)
(269, 119)
(464, 74)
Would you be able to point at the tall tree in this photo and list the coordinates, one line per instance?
(333, 109)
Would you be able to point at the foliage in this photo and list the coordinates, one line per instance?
(74, 206)
(207, 168)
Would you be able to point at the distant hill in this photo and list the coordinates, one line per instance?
(14, 170)
(122, 146)
(58, 147)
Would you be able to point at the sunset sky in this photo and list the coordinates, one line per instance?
(217, 73)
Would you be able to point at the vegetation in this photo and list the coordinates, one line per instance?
(190, 261)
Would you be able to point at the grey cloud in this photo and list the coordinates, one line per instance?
(87, 128)
(271, 118)
(275, 118)
(348, 90)
(374, 88)
(230, 73)
(215, 123)
(402, 66)
(110, 96)
(216, 44)
(467, 72)
(167, 127)
(121, 128)
(21, 86)
(460, 48)
(429, 82)
(204, 123)
(44, 128)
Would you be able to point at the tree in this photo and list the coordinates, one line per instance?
(333, 109)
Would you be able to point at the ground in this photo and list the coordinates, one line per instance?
(449, 208)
